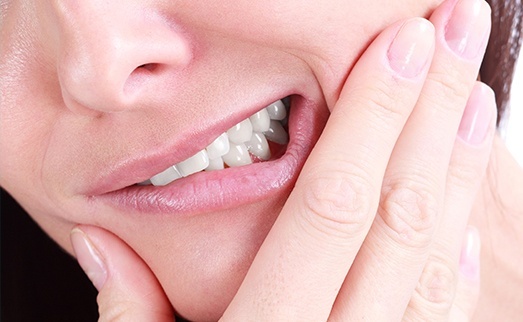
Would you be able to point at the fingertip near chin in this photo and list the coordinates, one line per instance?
(109, 251)
(128, 288)
(89, 257)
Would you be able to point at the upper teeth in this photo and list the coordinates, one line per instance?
(234, 146)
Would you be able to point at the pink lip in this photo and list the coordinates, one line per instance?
(217, 190)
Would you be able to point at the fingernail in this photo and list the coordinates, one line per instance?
(467, 30)
(477, 117)
(89, 258)
(469, 259)
(411, 48)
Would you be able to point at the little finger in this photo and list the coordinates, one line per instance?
(437, 286)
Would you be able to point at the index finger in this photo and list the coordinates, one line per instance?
(301, 265)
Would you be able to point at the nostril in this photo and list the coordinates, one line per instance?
(150, 67)
(139, 78)
(143, 54)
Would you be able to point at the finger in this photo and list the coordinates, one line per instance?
(301, 265)
(128, 290)
(467, 293)
(392, 258)
(436, 288)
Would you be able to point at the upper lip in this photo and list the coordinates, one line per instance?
(141, 167)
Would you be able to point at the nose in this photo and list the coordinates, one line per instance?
(114, 56)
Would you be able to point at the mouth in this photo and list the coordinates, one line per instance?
(258, 158)
(255, 139)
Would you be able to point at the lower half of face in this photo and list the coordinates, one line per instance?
(180, 127)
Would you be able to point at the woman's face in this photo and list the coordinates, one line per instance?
(97, 96)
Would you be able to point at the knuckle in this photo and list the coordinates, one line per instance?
(113, 308)
(436, 287)
(383, 106)
(464, 176)
(448, 86)
(381, 99)
(337, 204)
(410, 214)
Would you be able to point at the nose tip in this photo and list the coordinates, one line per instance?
(104, 69)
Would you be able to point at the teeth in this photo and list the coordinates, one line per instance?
(215, 164)
(241, 132)
(196, 163)
(234, 147)
(145, 183)
(166, 177)
(259, 146)
(238, 155)
(218, 147)
(276, 111)
(260, 121)
(277, 133)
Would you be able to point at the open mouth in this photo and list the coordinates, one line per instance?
(255, 139)
(248, 163)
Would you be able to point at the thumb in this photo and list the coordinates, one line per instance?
(128, 290)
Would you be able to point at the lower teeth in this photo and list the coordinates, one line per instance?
(235, 147)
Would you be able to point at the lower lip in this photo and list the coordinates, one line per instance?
(219, 190)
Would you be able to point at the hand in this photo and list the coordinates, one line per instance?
(374, 226)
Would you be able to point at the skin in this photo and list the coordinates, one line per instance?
(498, 213)
(53, 55)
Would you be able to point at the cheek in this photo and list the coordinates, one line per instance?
(26, 127)
(24, 133)
(328, 35)
(29, 107)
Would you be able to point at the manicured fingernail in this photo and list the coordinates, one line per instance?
(411, 49)
(89, 258)
(477, 117)
(469, 259)
(467, 30)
